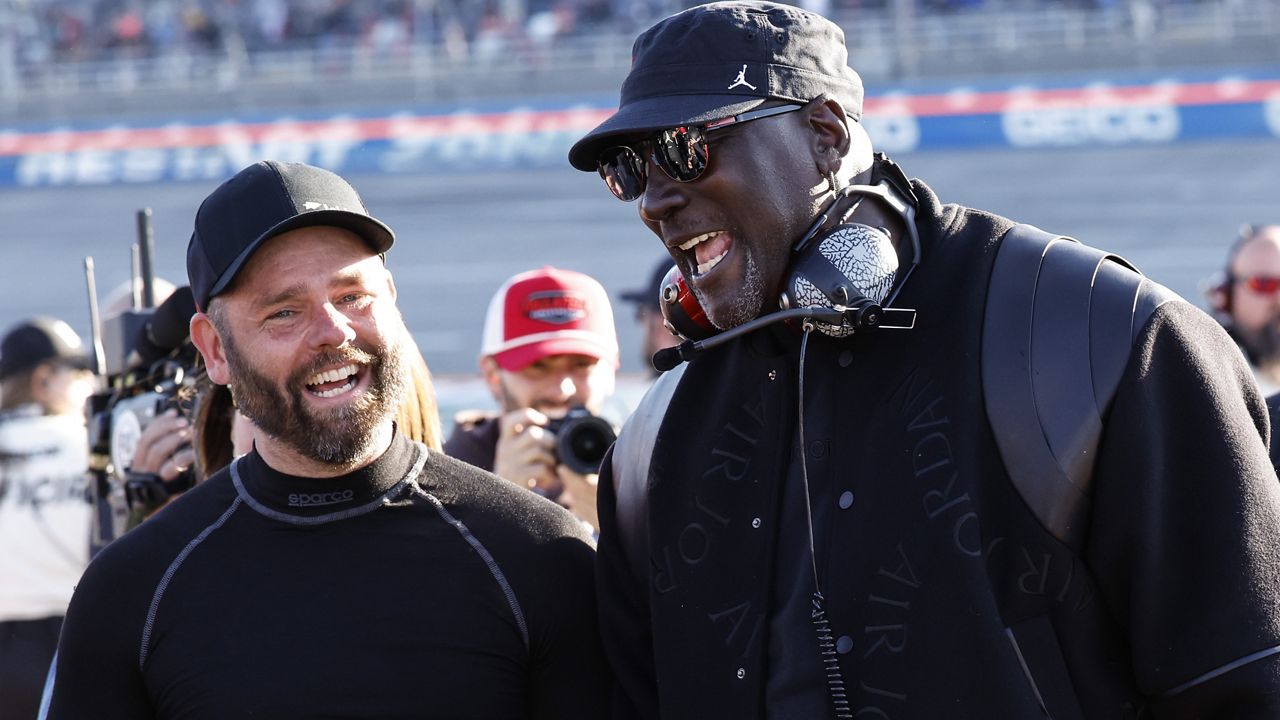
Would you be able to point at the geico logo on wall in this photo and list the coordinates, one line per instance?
(1091, 118)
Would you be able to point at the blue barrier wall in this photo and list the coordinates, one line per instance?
(1087, 111)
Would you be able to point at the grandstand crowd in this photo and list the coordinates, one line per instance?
(43, 31)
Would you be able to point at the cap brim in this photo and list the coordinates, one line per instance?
(373, 231)
(519, 358)
(652, 114)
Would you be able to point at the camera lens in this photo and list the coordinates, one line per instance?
(582, 439)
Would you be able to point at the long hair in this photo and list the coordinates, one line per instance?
(215, 413)
(419, 416)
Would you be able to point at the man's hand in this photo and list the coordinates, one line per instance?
(164, 448)
(579, 495)
(526, 456)
(525, 453)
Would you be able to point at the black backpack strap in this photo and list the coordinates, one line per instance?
(1060, 323)
(632, 454)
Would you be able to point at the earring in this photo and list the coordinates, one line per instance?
(831, 182)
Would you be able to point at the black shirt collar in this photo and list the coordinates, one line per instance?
(276, 494)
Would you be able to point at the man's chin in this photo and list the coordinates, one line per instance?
(731, 314)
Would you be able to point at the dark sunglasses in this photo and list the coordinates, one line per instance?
(1261, 284)
(681, 152)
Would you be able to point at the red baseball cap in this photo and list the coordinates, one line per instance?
(548, 312)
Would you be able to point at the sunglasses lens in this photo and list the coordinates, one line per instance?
(1264, 285)
(681, 153)
(623, 171)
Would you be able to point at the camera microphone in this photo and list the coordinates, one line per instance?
(168, 327)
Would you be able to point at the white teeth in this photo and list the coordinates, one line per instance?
(691, 242)
(334, 392)
(329, 376)
(704, 268)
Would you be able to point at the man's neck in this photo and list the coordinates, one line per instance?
(286, 459)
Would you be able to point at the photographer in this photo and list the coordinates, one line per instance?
(549, 352)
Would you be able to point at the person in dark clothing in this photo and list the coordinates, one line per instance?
(548, 347)
(1245, 298)
(339, 569)
(921, 461)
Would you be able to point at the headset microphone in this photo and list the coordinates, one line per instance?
(862, 314)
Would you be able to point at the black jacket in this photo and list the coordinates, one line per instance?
(945, 596)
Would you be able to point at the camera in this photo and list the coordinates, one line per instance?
(582, 438)
(152, 369)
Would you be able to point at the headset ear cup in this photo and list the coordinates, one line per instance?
(851, 265)
(681, 311)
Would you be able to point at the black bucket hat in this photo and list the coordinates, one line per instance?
(264, 200)
(721, 59)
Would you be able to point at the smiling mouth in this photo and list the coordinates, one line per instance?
(332, 383)
(708, 249)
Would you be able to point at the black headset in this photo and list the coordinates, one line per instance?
(843, 277)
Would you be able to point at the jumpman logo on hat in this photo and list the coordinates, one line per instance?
(742, 79)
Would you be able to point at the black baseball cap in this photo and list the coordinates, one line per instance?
(721, 59)
(41, 340)
(649, 295)
(262, 201)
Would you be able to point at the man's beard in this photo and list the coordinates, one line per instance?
(337, 437)
(1263, 346)
(746, 304)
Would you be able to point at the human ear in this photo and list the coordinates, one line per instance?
(391, 285)
(207, 340)
(492, 377)
(41, 377)
(829, 132)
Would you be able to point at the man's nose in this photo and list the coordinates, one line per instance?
(566, 388)
(331, 328)
(662, 196)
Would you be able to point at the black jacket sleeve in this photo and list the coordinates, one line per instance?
(1185, 531)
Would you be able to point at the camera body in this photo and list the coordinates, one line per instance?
(138, 391)
(582, 438)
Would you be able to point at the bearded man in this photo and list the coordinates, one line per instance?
(1246, 300)
(339, 569)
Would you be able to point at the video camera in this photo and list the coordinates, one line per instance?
(148, 365)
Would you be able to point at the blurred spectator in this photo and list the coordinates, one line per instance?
(549, 346)
(494, 30)
(1245, 298)
(44, 509)
(649, 314)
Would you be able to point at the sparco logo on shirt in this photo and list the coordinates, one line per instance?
(326, 498)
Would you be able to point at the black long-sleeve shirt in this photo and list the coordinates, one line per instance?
(417, 586)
